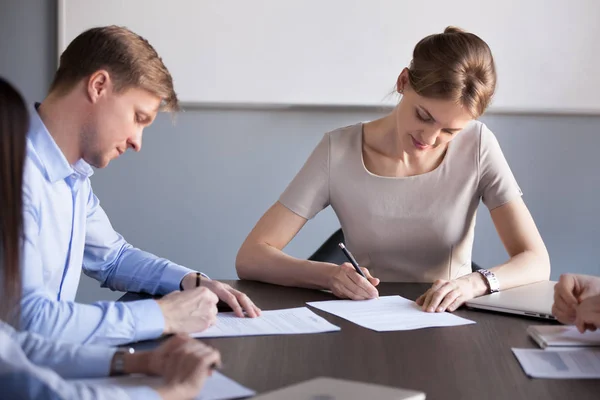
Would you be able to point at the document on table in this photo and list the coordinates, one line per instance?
(560, 364)
(216, 387)
(275, 322)
(562, 336)
(388, 313)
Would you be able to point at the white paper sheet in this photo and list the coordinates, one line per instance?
(275, 322)
(216, 387)
(562, 336)
(388, 313)
(559, 364)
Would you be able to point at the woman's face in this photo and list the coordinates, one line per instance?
(425, 124)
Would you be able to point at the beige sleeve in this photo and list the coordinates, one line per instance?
(497, 184)
(308, 193)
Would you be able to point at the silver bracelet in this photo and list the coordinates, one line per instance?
(491, 280)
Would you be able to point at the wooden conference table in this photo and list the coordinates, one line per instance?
(462, 362)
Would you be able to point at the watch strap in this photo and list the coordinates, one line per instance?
(117, 365)
(491, 280)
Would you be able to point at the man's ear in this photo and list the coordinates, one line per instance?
(98, 85)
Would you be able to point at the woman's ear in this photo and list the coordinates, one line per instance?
(402, 82)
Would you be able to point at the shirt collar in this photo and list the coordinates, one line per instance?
(55, 163)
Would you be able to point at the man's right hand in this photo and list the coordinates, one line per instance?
(569, 292)
(184, 363)
(346, 283)
(189, 311)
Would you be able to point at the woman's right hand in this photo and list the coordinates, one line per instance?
(569, 292)
(184, 363)
(346, 283)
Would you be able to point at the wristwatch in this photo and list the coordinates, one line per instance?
(117, 365)
(491, 280)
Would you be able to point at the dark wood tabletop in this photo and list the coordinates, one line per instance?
(462, 362)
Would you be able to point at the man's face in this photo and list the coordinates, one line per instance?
(115, 123)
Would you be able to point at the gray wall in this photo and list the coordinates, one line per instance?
(198, 187)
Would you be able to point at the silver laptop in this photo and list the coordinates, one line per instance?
(338, 389)
(534, 300)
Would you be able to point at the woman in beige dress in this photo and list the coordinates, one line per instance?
(406, 189)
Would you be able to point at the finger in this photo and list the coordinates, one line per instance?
(566, 289)
(374, 281)
(257, 310)
(449, 299)
(204, 352)
(567, 298)
(438, 296)
(580, 323)
(201, 350)
(421, 298)
(580, 326)
(356, 283)
(212, 360)
(429, 294)
(232, 301)
(361, 285)
(427, 298)
(456, 304)
(208, 295)
(346, 291)
(246, 303)
(559, 303)
(212, 319)
(563, 314)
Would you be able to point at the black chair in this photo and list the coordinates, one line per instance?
(330, 252)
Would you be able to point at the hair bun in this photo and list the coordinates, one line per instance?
(453, 29)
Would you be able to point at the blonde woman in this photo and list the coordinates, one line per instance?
(406, 189)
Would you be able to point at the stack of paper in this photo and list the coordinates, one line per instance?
(388, 313)
(568, 353)
(562, 336)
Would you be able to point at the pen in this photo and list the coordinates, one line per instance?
(352, 260)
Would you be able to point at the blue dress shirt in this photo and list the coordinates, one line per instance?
(32, 367)
(66, 231)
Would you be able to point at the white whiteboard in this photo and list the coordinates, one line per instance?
(349, 53)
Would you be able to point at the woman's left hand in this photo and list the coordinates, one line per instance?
(447, 295)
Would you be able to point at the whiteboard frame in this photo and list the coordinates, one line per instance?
(61, 44)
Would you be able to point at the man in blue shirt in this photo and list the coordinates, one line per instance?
(109, 86)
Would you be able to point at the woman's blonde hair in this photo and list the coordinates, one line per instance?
(454, 65)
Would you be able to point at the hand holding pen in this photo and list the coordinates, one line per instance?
(351, 281)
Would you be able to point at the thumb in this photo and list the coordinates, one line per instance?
(374, 281)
